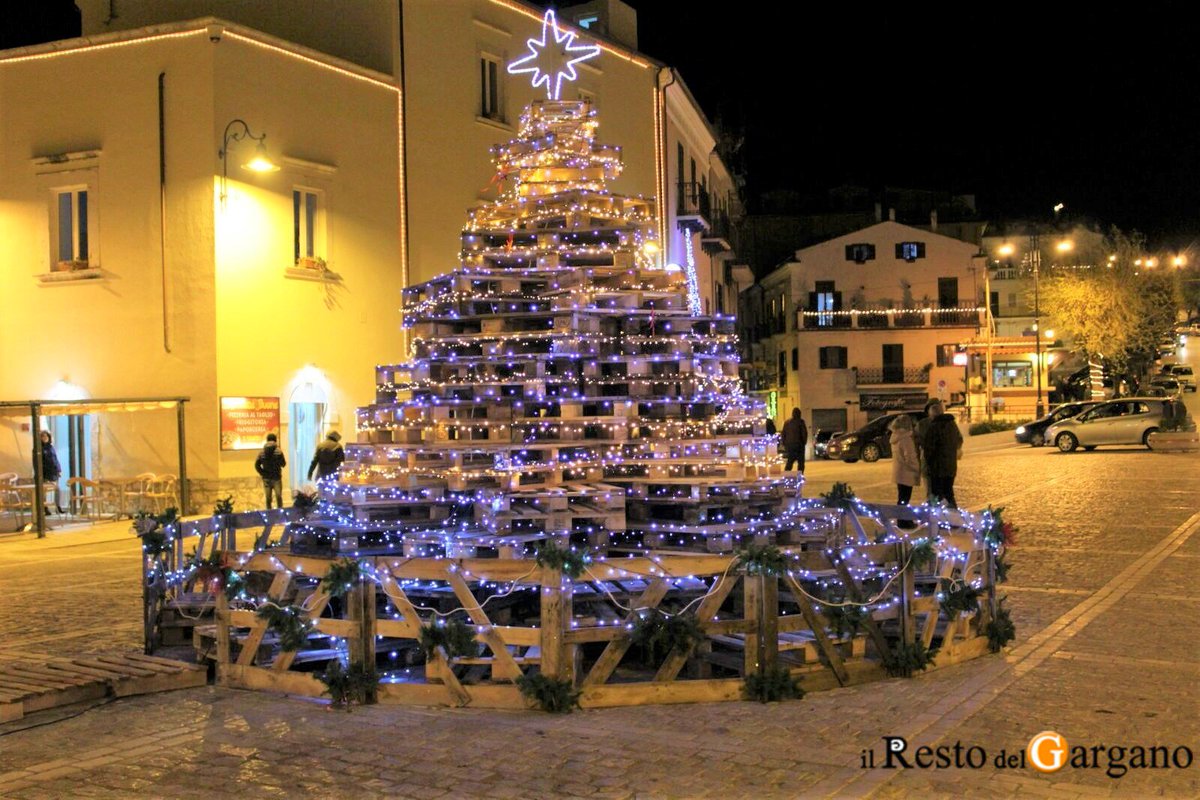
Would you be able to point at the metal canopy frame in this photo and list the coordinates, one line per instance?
(36, 408)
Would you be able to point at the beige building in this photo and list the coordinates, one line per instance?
(288, 286)
(867, 323)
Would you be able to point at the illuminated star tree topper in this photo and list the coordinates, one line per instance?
(553, 57)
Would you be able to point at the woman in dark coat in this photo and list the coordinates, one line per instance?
(51, 469)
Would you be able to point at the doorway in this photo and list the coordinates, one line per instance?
(71, 435)
(306, 420)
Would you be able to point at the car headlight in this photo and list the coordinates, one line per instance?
(1020, 429)
(850, 440)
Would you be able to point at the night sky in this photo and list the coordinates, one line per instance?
(1025, 106)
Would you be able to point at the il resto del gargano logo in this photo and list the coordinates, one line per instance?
(1046, 752)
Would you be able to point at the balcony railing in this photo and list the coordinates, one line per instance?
(874, 376)
(892, 318)
(693, 205)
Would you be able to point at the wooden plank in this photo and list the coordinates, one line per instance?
(161, 665)
(315, 606)
(11, 712)
(126, 669)
(23, 687)
(76, 669)
(856, 594)
(298, 683)
(108, 669)
(53, 677)
(437, 667)
(707, 608)
(410, 620)
(503, 666)
(607, 663)
(817, 624)
(258, 629)
(752, 601)
(167, 662)
(656, 692)
(190, 678)
(16, 674)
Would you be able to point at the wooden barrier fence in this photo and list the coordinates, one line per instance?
(527, 618)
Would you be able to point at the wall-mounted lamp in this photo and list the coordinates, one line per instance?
(260, 162)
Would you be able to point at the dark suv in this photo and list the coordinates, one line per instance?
(871, 442)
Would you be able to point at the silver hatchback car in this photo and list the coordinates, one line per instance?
(1128, 420)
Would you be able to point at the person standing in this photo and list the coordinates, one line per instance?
(795, 437)
(269, 466)
(328, 458)
(921, 429)
(51, 469)
(906, 466)
(942, 447)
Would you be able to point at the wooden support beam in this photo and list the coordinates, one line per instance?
(279, 585)
(705, 612)
(503, 666)
(854, 592)
(603, 669)
(817, 624)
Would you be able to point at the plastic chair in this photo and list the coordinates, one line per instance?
(162, 493)
(87, 496)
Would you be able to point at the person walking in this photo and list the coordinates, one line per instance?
(942, 447)
(328, 458)
(795, 437)
(51, 469)
(906, 465)
(269, 466)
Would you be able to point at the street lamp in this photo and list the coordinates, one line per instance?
(260, 162)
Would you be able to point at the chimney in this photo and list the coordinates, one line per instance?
(891, 215)
(879, 212)
(933, 220)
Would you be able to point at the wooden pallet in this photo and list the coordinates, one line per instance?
(27, 687)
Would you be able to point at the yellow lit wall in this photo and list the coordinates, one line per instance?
(235, 323)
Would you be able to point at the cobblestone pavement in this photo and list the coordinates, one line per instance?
(1107, 652)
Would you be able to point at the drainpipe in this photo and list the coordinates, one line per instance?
(162, 211)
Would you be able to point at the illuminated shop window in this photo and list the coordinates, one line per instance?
(1012, 373)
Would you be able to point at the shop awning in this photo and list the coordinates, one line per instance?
(55, 408)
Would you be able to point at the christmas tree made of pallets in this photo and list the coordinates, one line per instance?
(560, 384)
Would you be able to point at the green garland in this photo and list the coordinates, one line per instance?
(359, 684)
(457, 638)
(957, 597)
(153, 528)
(923, 553)
(551, 694)
(999, 532)
(567, 560)
(761, 559)
(844, 620)
(840, 495)
(1002, 567)
(1000, 630)
(343, 575)
(223, 506)
(904, 659)
(772, 685)
(288, 623)
(658, 634)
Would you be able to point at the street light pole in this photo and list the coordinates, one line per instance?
(1035, 257)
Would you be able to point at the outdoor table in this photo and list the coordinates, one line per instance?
(114, 488)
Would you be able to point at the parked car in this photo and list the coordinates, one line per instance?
(1184, 374)
(1164, 386)
(871, 442)
(1034, 433)
(821, 442)
(1129, 420)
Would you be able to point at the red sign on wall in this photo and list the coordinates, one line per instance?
(246, 421)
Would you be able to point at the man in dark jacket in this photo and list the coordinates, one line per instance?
(329, 456)
(269, 466)
(942, 447)
(795, 437)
